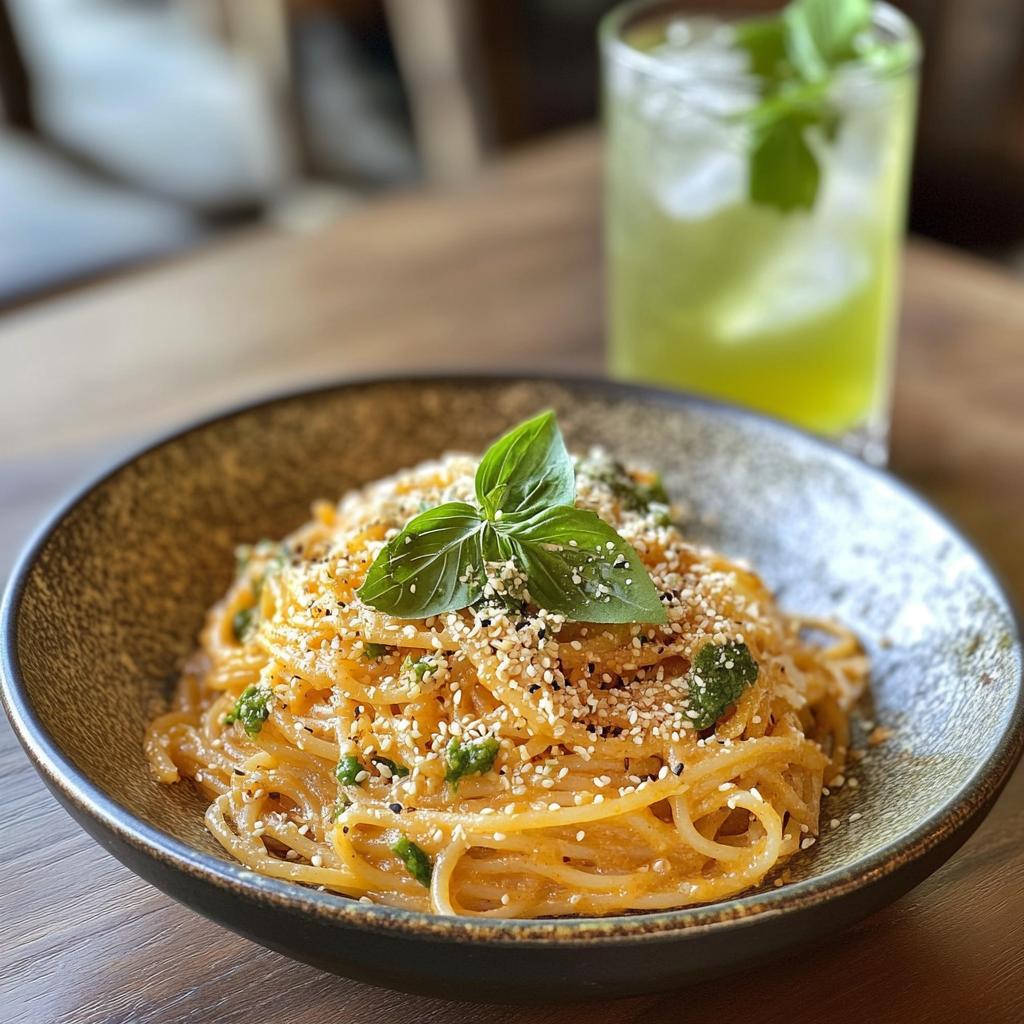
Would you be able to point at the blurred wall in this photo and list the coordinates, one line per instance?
(140, 91)
(133, 128)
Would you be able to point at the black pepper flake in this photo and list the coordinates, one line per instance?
(485, 623)
(678, 770)
(397, 808)
(535, 688)
(238, 771)
(344, 828)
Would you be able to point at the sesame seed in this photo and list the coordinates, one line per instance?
(807, 843)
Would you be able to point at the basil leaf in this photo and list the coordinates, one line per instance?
(783, 171)
(526, 471)
(252, 709)
(632, 495)
(462, 759)
(434, 565)
(578, 566)
(574, 563)
(347, 769)
(416, 862)
(397, 770)
(717, 679)
(243, 624)
(426, 665)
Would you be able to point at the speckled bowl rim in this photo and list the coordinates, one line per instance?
(967, 804)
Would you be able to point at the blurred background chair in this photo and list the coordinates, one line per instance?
(133, 129)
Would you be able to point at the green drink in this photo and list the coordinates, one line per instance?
(755, 214)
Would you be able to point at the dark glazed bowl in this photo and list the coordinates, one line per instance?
(110, 597)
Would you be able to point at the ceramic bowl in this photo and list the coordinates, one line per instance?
(109, 599)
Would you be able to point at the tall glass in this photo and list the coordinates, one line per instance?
(787, 307)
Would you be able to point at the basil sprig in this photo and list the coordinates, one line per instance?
(575, 563)
(796, 53)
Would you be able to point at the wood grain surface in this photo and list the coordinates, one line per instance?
(503, 274)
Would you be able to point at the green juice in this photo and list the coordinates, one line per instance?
(787, 311)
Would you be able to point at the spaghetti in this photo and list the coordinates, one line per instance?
(501, 761)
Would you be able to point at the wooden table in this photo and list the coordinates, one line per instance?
(505, 274)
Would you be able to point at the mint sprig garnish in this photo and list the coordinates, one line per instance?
(796, 53)
(820, 34)
(573, 562)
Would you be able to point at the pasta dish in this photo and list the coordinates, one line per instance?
(507, 757)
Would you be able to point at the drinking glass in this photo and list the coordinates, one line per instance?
(785, 303)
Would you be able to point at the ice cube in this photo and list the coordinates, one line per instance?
(697, 149)
(812, 272)
(698, 169)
